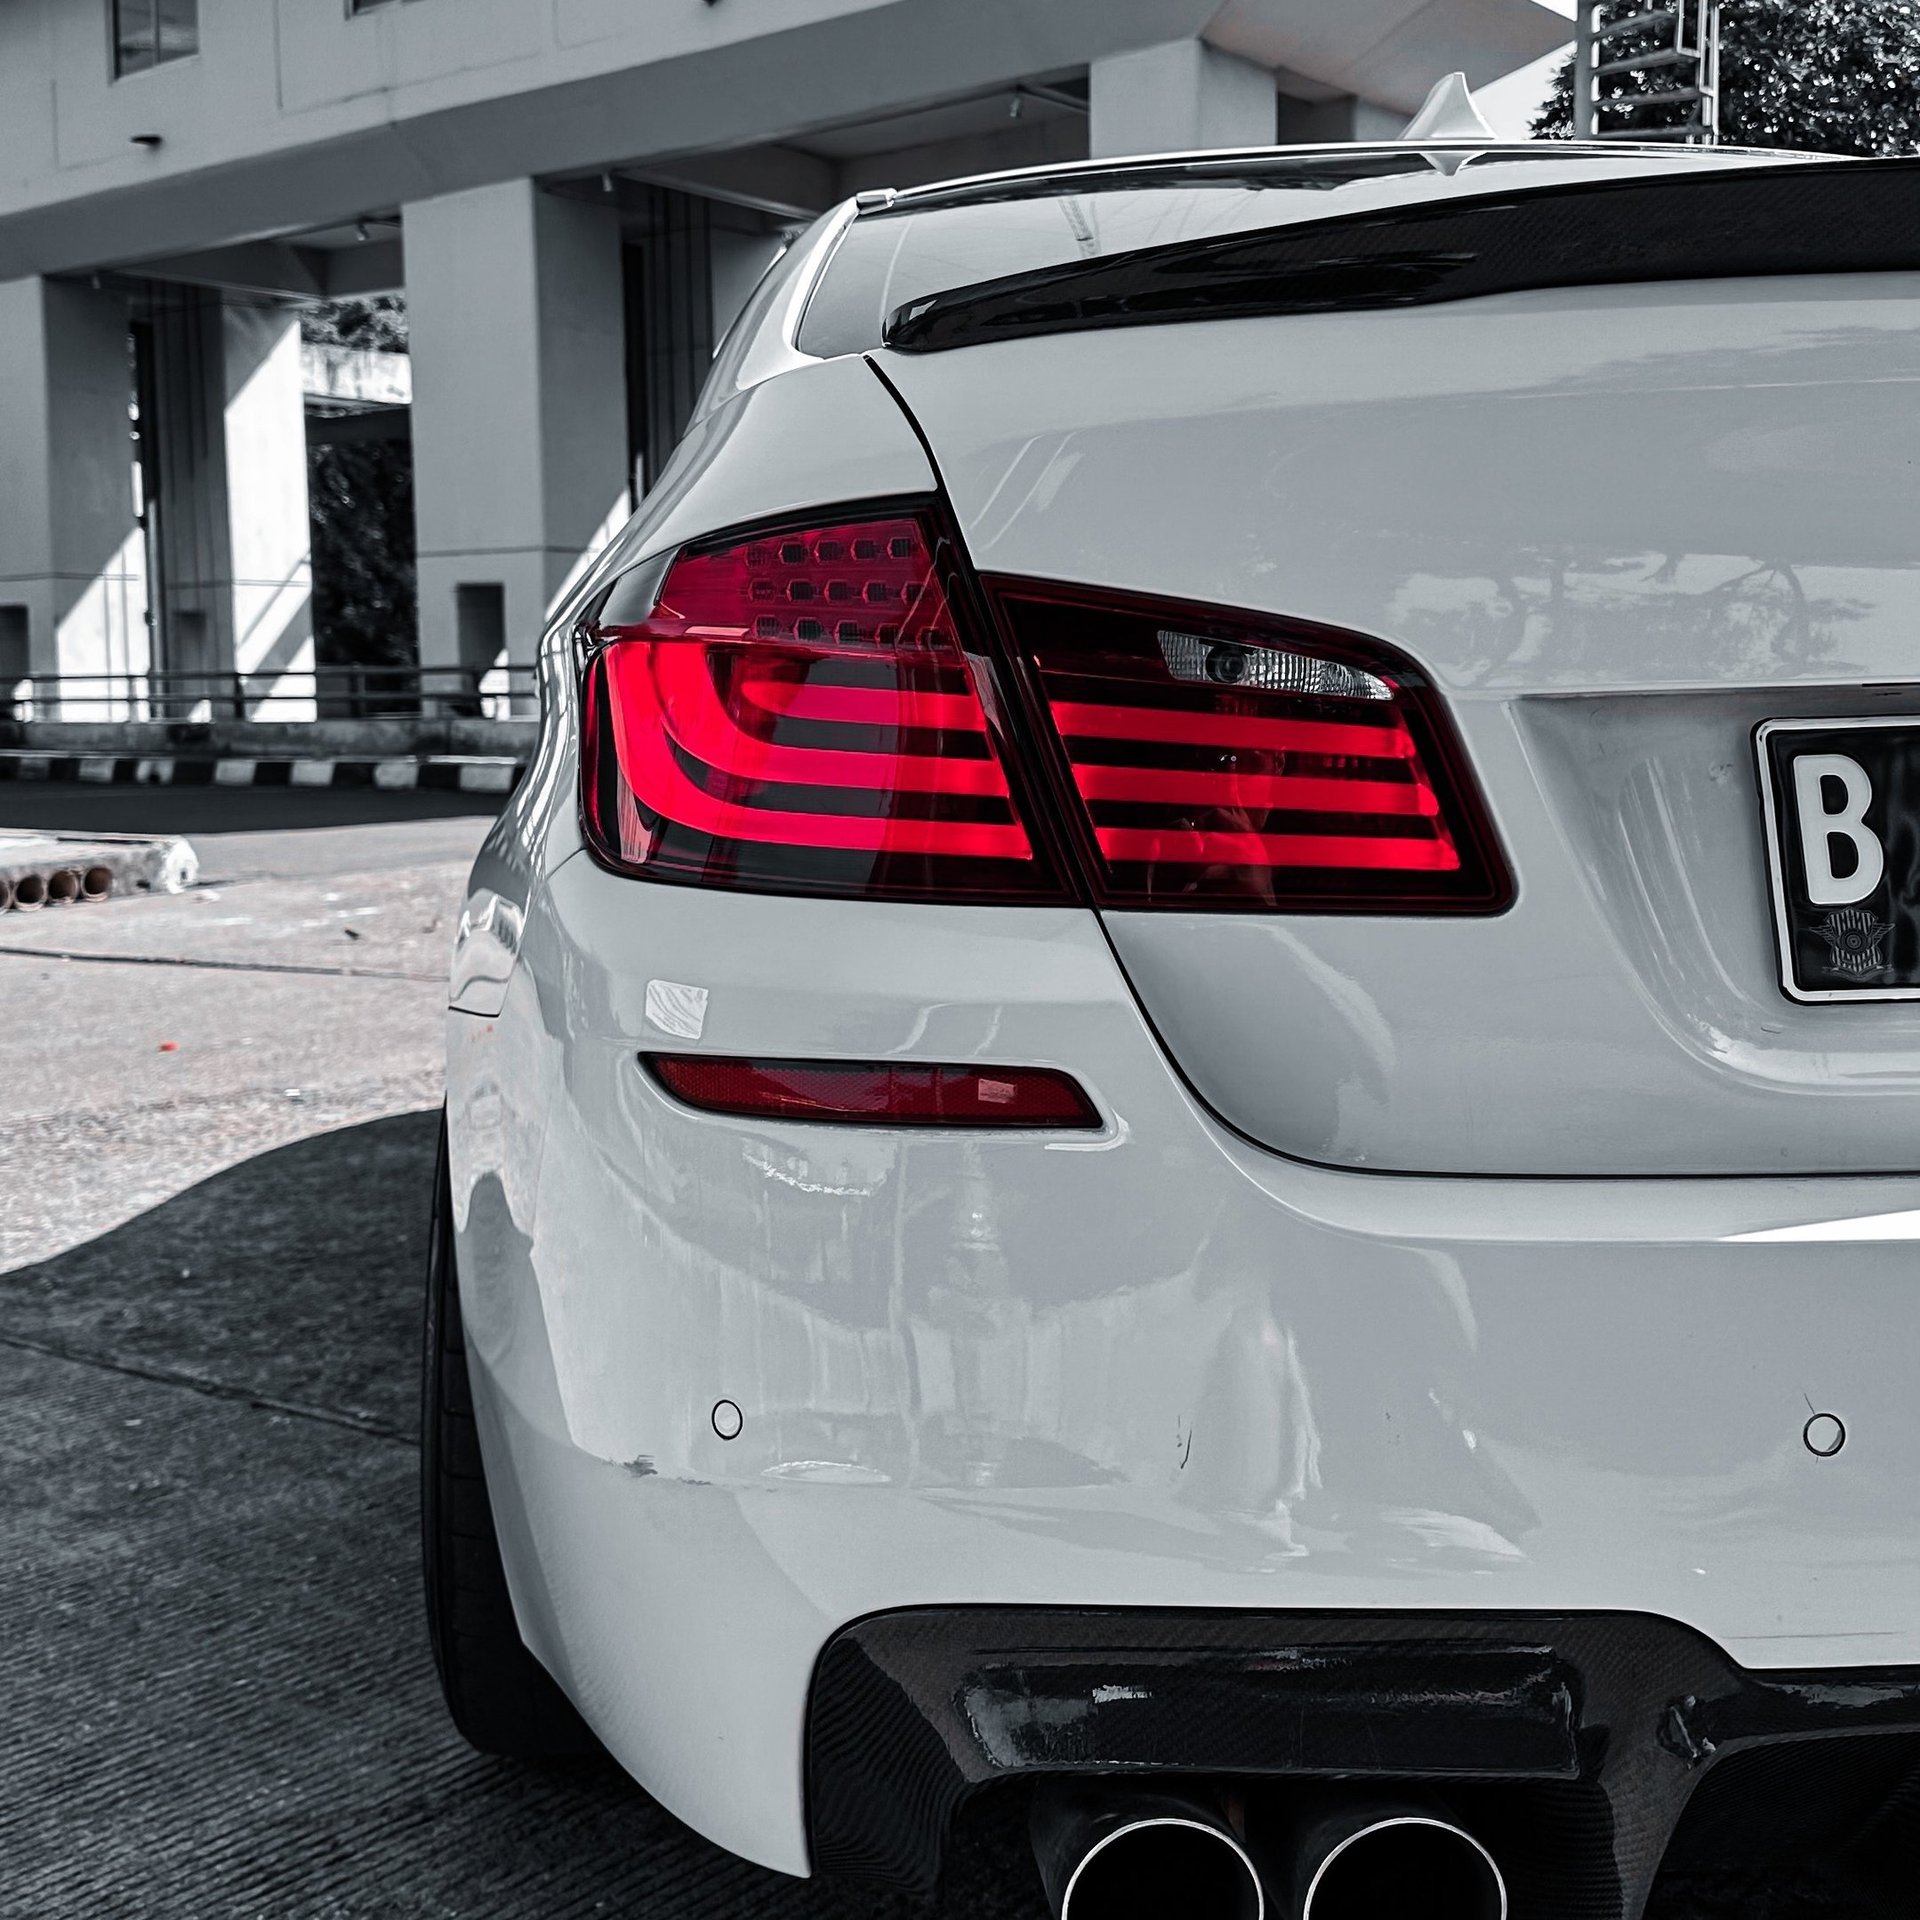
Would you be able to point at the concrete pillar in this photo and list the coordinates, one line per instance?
(224, 424)
(515, 311)
(1177, 96)
(269, 532)
(738, 261)
(73, 595)
(1316, 123)
(179, 339)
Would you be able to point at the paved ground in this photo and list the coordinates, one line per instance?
(218, 1698)
(221, 1697)
(148, 1042)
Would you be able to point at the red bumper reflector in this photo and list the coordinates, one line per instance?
(876, 1093)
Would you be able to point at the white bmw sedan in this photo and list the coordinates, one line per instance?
(1187, 1086)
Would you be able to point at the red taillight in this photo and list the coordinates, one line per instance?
(881, 1093)
(801, 711)
(806, 710)
(1244, 767)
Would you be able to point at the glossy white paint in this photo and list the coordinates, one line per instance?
(1154, 1366)
(1561, 504)
(760, 342)
(826, 432)
(1159, 1365)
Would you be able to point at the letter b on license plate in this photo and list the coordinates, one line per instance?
(1843, 841)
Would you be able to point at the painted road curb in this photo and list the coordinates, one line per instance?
(442, 773)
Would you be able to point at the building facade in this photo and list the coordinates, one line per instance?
(574, 196)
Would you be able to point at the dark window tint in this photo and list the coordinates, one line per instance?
(1694, 221)
(935, 241)
(147, 33)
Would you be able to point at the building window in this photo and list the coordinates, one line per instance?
(148, 33)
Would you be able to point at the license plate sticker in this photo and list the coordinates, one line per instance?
(1843, 843)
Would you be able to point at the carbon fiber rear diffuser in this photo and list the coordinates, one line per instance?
(1582, 1737)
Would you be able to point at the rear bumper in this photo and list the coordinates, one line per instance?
(1152, 1368)
(1584, 1750)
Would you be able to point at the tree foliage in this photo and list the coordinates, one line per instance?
(379, 322)
(360, 496)
(1822, 76)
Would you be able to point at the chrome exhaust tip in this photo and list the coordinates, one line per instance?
(96, 883)
(63, 887)
(1142, 1856)
(1162, 1865)
(29, 893)
(1415, 1864)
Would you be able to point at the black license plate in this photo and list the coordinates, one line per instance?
(1843, 841)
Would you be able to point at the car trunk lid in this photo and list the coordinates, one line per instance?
(1618, 529)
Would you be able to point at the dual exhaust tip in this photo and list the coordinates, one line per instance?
(1127, 1856)
(62, 886)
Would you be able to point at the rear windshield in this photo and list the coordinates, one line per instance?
(936, 242)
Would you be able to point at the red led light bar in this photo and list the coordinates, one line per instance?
(1247, 767)
(807, 711)
(798, 710)
(880, 1093)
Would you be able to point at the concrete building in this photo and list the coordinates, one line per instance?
(575, 197)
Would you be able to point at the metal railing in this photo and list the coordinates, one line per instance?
(314, 693)
(1648, 73)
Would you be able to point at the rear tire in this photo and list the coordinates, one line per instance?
(501, 1698)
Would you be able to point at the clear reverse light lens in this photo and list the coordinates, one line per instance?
(1251, 773)
(1224, 663)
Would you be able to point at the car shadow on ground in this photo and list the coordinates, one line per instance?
(222, 1700)
(222, 1697)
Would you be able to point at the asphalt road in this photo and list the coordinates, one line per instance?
(218, 1113)
(148, 1042)
(218, 1696)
